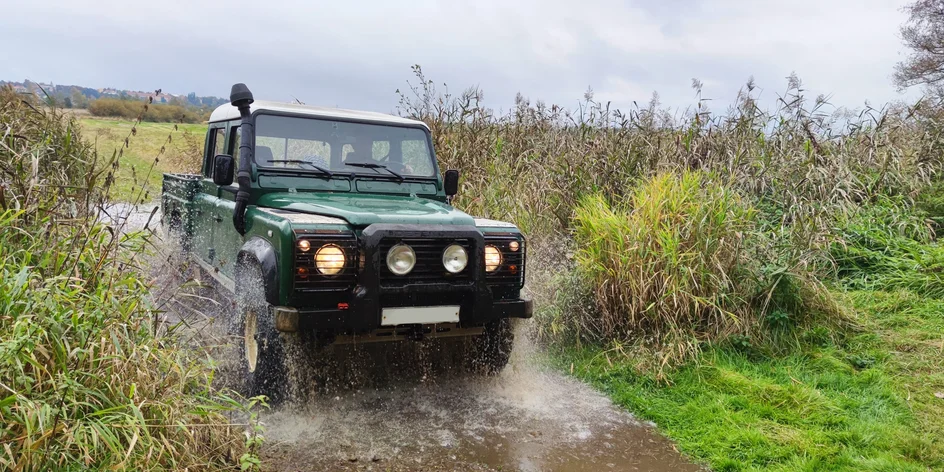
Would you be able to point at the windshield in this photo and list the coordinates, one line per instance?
(304, 144)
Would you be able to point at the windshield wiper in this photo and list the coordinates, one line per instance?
(298, 161)
(375, 166)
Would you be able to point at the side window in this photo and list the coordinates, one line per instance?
(217, 144)
(234, 145)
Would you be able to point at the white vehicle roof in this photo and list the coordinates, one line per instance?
(227, 112)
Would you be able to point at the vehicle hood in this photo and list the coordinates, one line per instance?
(366, 209)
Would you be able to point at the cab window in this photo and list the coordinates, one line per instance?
(217, 145)
(235, 133)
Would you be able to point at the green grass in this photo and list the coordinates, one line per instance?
(181, 154)
(867, 403)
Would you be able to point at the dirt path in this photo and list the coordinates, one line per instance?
(526, 419)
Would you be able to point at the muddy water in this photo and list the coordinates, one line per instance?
(528, 418)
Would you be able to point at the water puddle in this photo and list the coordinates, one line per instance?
(526, 419)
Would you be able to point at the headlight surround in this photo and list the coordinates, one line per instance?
(401, 259)
(493, 258)
(330, 259)
(455, 258)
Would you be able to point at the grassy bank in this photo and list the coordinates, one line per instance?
(137, 166)
(869, 402)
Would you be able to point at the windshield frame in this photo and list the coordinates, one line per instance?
(354, 172)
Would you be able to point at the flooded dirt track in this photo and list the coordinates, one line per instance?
(525, 419)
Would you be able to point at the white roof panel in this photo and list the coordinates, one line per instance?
(228, 112)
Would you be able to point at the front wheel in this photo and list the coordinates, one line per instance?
(492, 349)
(262, 352)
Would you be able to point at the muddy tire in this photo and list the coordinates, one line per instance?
(490, 351)
(261, 348)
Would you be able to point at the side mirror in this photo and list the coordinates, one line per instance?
(451, 182)
(223, 169)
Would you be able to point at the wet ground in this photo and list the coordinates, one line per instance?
(528, 418)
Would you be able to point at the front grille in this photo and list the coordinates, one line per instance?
(511, 271)
(315, 281)
(429, 267)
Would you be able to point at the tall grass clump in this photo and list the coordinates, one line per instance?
(683, 263)
(665, 264)
(86, 380)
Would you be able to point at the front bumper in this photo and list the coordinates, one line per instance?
(353, 320)
(359, 310)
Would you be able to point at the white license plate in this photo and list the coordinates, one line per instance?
(419, 315)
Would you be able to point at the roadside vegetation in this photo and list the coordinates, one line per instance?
(763, 285)
(89, 379)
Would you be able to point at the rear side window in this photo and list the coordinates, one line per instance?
(217, 146)
(236, 133)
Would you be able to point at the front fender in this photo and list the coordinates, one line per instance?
(259, 251)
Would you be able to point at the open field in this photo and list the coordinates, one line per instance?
(181, 154)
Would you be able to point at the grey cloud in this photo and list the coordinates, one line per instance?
(355, 54)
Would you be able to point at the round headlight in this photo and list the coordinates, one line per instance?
(304, 245)
(455, 258)
(493, 258)
(401, 259)
(329, 259)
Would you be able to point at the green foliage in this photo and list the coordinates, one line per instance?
(250, 461)
(86, 382)
(683, 263)
(931, 203)
(887, 245)
(132, 109)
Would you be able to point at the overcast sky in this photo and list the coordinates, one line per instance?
(354, 54)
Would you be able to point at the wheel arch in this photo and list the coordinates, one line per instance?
(259, 252)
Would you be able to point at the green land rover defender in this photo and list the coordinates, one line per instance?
(336, 224)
